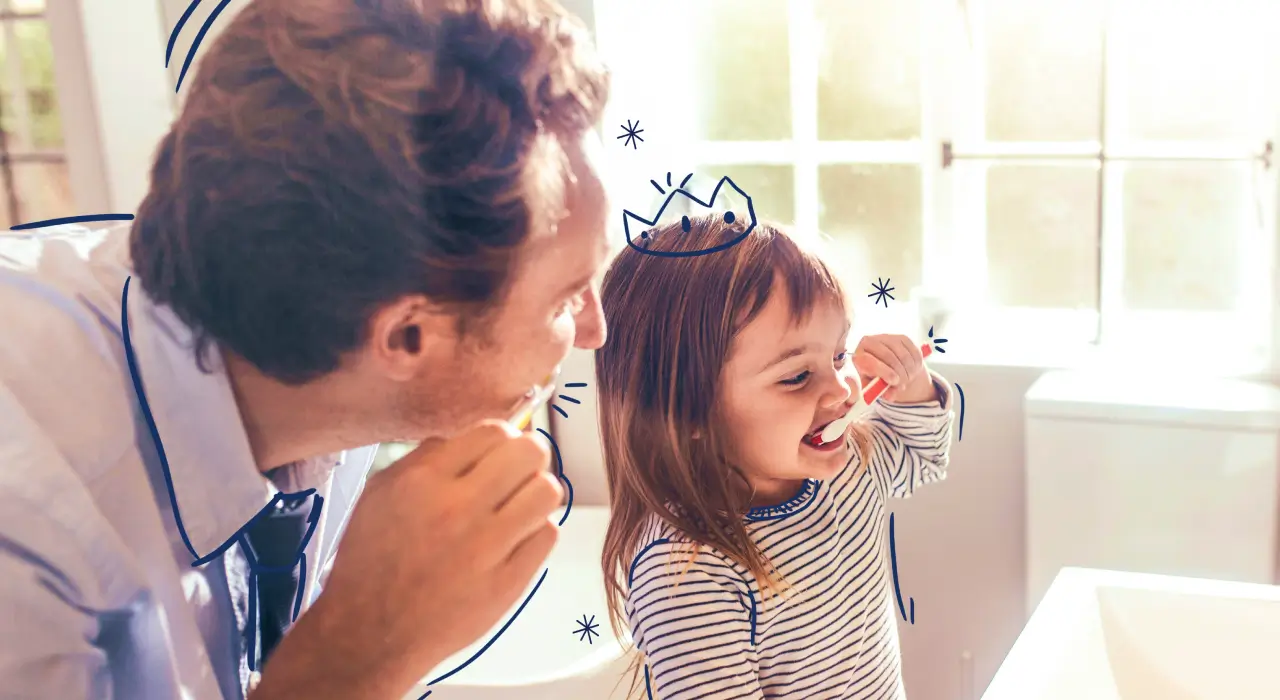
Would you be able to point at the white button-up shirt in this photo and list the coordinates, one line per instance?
(99, 597)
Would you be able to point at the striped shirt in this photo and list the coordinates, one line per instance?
(704, 632)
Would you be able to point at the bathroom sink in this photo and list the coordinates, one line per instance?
(1110, 635)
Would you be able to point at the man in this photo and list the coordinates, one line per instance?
(373, 220)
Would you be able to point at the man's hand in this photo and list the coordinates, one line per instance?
(439, 546)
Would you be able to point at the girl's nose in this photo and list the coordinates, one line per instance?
(840, 391)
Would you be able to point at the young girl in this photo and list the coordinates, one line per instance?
(746, 562)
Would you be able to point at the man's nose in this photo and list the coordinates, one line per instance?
(591, 331)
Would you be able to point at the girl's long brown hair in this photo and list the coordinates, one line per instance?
(672, 321)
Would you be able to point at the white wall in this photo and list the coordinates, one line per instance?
(115, 97)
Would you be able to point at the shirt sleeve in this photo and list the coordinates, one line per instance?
(50, 588)
(695, 627)
(47, 645)
(910, 443)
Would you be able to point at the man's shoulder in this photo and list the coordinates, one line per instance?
(63, 384)
(59, 279)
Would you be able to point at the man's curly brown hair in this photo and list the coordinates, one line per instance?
(335, 155)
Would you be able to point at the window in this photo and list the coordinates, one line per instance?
(1081, 174)
(34, 182)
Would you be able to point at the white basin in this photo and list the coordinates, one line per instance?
(1109, 635)
(539, 656)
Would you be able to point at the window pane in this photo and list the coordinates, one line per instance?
(771, 188)
(1043, 63)
(1189, 69)
(43, 191)
(874, 215)
(1042, 239)
(42, 129)
(740, 57)
(1184, 226)
(869, 74)
(36, 51)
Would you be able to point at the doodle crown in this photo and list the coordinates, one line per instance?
(634, 222)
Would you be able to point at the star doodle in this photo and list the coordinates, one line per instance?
(586, 628)
(632, 134)
(882, 291)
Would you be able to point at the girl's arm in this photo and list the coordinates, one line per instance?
(696, 627)
(910, 443)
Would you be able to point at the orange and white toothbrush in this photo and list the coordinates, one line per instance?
(872, 392)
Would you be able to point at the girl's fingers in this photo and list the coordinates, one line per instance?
(868, 364)
(907, 354)
(897, 353)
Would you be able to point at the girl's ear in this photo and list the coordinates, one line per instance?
(697, 434)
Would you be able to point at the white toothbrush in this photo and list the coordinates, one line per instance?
(837, 427)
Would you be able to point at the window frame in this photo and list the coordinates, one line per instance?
(1120, 333)
(954, 217)
(25, 151)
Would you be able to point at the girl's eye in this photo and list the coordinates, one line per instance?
(796, 380)
(799, 378)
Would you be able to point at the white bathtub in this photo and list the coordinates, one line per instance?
(539, 656)
(1107, 635)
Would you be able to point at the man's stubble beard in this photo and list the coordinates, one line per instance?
(453, 395)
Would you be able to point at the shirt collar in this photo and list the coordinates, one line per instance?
(214, 485)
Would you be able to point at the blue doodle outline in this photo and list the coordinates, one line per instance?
(961, 391)
(494, 638)
(935, 342)
(569, 486)
(897, 589)
(626, 226)
(204, 29)
(71, 220)
(752, 614)
(570, 399)
(240, 536)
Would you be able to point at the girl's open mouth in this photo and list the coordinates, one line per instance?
(814, 440)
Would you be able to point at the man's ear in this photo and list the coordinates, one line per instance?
(407, 333)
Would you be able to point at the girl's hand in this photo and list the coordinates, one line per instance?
(897, 360)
